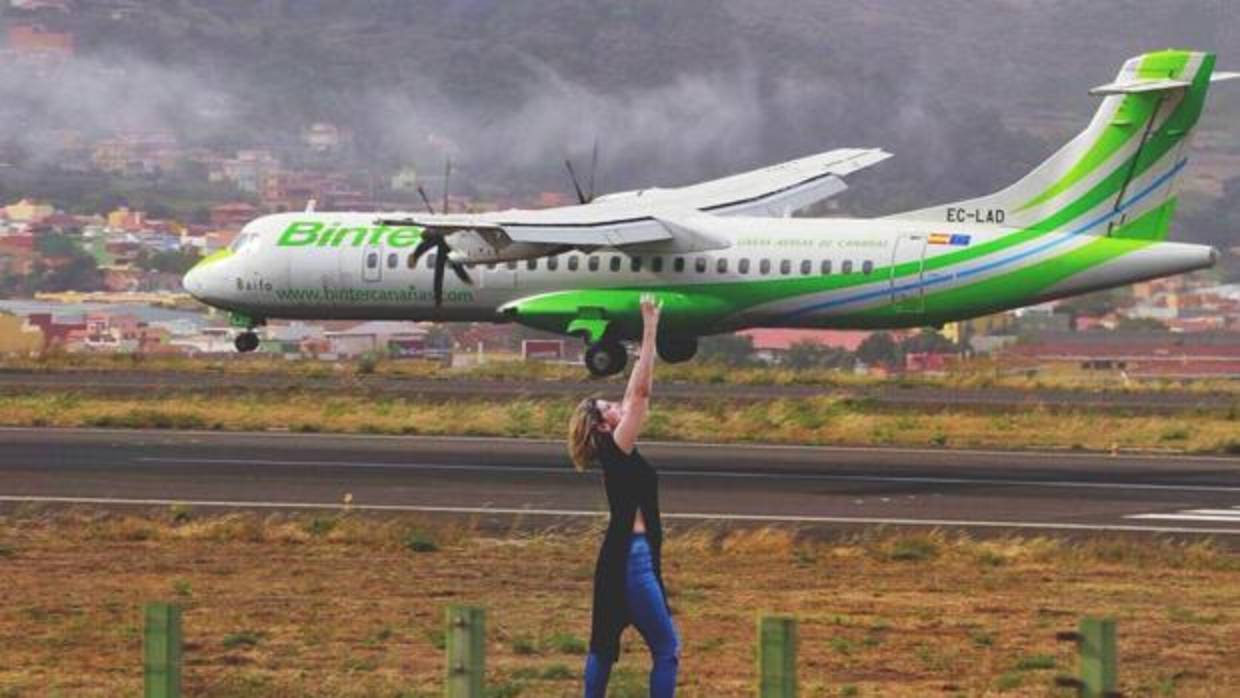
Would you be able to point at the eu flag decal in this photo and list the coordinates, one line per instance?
(959, 240)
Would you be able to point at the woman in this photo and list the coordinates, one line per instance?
(628, 581)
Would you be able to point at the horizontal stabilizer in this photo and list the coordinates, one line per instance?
(1127, 87)
(1219, 77)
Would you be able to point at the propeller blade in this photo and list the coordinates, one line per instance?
(425, 199)
(461, 273)
(581, 197)
(422, 248)
(441, 261)
(593, 168)
(447, 173)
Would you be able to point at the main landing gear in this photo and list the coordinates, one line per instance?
(675, 350)
(606, 358)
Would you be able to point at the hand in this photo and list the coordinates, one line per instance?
(651, 307)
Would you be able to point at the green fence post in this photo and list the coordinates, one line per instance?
(466, 644)
(777, 657)
(161, 651)
(1098, 669)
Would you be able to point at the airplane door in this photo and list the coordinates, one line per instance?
(908, 291)
(372, 263)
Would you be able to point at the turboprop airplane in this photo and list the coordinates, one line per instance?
(725, 255)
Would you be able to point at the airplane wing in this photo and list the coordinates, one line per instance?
(778, 190)
(678, 219)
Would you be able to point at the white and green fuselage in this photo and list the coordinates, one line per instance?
(1093, 216)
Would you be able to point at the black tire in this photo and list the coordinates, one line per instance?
(246, 342)
(675, 350)
(606, 359)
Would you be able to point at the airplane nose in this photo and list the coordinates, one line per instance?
(193, 283)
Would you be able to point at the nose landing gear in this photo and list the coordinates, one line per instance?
(246, 342)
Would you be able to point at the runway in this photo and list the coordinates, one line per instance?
(818, 488)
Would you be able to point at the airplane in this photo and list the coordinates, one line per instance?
(726, 254)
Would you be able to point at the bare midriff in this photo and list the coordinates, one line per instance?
(639, 523)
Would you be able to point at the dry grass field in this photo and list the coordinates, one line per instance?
(976, 374)
(814, 421)
(347, 605)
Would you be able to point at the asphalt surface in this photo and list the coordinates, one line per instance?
(137, 382)
(507, 479)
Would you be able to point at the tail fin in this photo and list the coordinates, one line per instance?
(1121, 169)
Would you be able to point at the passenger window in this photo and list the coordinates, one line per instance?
(699, 265)
(430, 261)
(678, 264)
(573, 262)
(826, 267)
(807, 267)
(490, 265)
(372, 260)
(764, 267)
(866, 267)
(656, 264)
(393, 260)
(512, 265)
(592, 263)
(846, 267)
(743, 266)
(785, 267)
(412, 261)
(531, 264)
(615, 262)
(635, 264)
(721, 266)
(553, 263)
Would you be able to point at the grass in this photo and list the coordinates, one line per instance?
(844, 421)
(977, 374)
(277, 610)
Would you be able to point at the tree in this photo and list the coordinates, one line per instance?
(809, 354)
(1140, 324)
(880, 348)
(928, 341)
(729, 349)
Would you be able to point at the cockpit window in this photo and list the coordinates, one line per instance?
(243, 242)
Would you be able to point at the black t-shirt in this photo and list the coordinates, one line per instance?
(631, 485)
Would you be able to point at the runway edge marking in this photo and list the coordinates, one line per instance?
(600, 514)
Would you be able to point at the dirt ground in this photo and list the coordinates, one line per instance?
(349, 605)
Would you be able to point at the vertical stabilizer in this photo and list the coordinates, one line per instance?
(1121, 168)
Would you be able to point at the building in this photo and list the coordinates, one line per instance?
(28, 211)
(380, 337)
(233, 215)
(33, 41)
(1152, 354)
(125, 219)
(18, 337)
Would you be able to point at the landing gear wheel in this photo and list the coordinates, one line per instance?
(246, 342)
(676, 350)
(606, 358)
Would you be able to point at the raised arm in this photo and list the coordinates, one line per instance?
(641, 381)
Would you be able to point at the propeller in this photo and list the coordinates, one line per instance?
(439, 244)
(587, 195)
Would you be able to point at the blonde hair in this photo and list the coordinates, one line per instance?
(581, 430)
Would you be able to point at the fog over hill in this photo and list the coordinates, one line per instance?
(673, 91)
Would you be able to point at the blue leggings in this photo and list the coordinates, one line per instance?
(649, 612)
